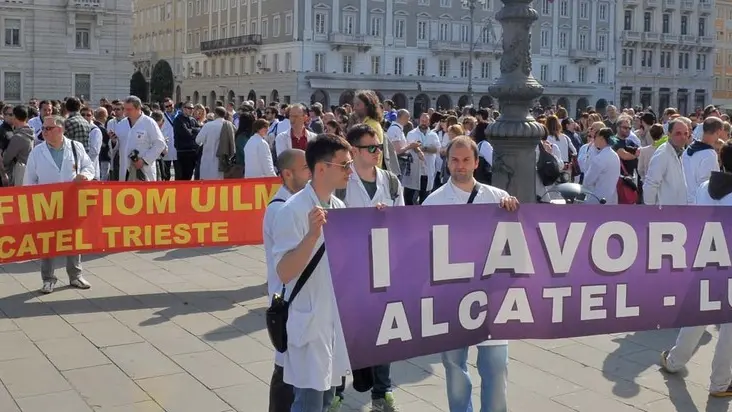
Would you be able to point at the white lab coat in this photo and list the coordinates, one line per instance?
(316, 355)
(145, 136)
(665, 183)
(283, 140)
(428, 167)
(209, 137)
(356, 195)
(169, 137)
(36, 124)
(274, 284)
(585, 155)
(258, 158)
(449, 194)
(697, 169)
(41, 169)
(95, 146)
(602, 176)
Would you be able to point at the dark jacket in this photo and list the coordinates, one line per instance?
(185, 129)
(6, 132)
(104, 152)
(19, 147)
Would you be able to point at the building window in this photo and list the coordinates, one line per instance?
(319, 62)
(486, 70)
(288, 24)
(445, 3)
(602, 42)
(485, 36)
(562, 73)
(349, 24)
(253, 29)
(564, 8)
(12, 86)
(582, 41)
(276, 26)
(563, 35)
(423, 2)
(320, 23)
(647, 59)
(376, 26)
(582, 74)
(444, 31)
(288, 61)
(276, 63)
(628, 20)
(584, 10)
(265, 29)
(602, 11)
(666, 23)
(701, 62)
(213, 67)
(545, 36)
(421, 66)
(544, 72)
(702, 26)
(399, 66)
(12, 33)
(421, 30)
(600, 75)
(375, 64)
(347, 64)
(464, 68)
(444, 67)
(684, 61)
(82, 85)
(684, 25)
(627, 58)
(464, 33)
(399, 28)
(223, 32)
(546, 9)
(82, 38)
(647, 18)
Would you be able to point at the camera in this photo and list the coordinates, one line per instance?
(135, 155)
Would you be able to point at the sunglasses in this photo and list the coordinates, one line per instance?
(168, 106)
(371, 148)
(344, 166)
(48, 128)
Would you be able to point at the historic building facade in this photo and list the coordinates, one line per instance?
(55, 49)
(722, 94)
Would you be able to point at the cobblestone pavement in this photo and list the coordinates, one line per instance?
(182, 330)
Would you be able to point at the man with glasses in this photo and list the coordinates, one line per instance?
(169, 134)
(6, 128)
(36, 123)
(95, 141)
(58, 159)
(298, 136)
(185, 130)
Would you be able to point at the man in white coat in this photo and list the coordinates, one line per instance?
(297, 136)
(316, 357)
(665, 184)
(492, 364)
(717, 191)
(58, 160)
(295, 175)
(700, 158)
(420, 179)
(603, 172)
(138, 132)
(209, 138)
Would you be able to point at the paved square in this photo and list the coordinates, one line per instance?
(183, 331)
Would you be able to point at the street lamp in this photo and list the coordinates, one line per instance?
(471, 5)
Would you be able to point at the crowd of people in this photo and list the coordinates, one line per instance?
(366, 154)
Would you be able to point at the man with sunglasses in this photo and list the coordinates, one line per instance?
(185, 130)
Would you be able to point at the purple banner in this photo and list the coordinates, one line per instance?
(412, 281)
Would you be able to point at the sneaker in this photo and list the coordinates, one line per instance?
(48, 287)
(335, 406)
(723, 394)
(80, 283)
(385, 404)
(664, 362)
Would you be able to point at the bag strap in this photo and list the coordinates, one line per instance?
(275, 200)
(393, 185)
(76, 156)
(306, 273)
(473, 194)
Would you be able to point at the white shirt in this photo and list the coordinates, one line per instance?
(703, 198)
(258, 158)
(356, 195)
(279, 126)
(449, 194)
(419, 167)
(585, 155)
(316, 355)
(395, 133)
(697, 169)
(565, 146)
(209, 137)
(485, 150)
(145, 137)
(41, 169)
(95, 146)
(283, 141)
(36, 124)
(602, 176)
(274, 284)
(665, 183)
(169, 137)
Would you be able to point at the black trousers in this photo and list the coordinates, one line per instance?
(185, 165)
(281, 395)
(416, 197)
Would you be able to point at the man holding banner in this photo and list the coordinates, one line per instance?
(492, 364)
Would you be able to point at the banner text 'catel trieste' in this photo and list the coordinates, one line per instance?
(94, 217)
(416, 281)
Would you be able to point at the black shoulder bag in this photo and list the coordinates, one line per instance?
(279, 308)
(473, 193)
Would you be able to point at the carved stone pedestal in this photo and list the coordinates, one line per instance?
(516, 133)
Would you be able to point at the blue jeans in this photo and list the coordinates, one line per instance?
(493, 370)
(382, 381)
(310, 400)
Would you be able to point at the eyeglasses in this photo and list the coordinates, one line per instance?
(344, 166)
(48, 128)
(168, 106)
(189, 107)
(371, 148)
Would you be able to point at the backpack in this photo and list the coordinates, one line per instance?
(547, 167)
(484, 172)
(393, 187)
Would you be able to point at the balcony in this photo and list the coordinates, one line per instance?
(456, 47)
(249, 42)
(688, 41)
(651, 39)
(360, 41)
(630, 37)
(706, 8)
(652, 4)
(670, 4)
(591, 56)
(669, 41)
(632, 3)
(687, 6)
(706, 42)
(86, 4)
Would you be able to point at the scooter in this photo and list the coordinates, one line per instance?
(571, 193)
